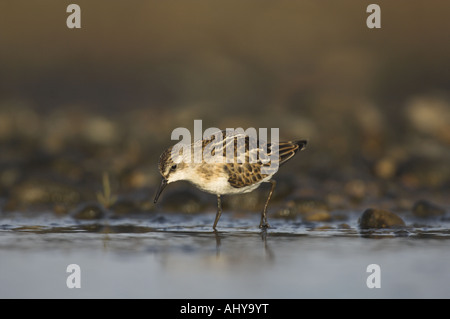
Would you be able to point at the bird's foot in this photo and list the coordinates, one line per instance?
(264, 225)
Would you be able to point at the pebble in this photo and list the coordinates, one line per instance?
(425, 209)
(318, 216)
(378, 218)
(430, 115)
(310, 209)
(356, 189)
(89, 211)
(309, 205)
(385, 168)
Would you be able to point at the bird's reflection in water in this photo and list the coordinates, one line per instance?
(218, 242)
(268, 253)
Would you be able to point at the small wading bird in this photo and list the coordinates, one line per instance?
(227, 178)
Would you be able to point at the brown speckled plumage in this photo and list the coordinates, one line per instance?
(246, 174)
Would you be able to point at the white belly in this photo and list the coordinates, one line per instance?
(220, 186)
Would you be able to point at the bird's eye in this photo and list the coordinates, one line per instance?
(174, 167)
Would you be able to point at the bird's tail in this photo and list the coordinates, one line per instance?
(287, 150)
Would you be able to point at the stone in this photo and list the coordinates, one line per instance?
(317, 216)
(426, 209)
(378, 218)
(311, 209)
(89, 211)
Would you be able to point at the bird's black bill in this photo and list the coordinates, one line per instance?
(160, 189)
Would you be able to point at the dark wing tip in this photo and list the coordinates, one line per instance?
(301, 144)
(288, 149)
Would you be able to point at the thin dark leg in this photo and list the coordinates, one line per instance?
(264, 223)
(219, 211)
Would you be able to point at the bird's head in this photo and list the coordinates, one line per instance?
(170, 170)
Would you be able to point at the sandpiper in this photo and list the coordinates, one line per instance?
(225, 177)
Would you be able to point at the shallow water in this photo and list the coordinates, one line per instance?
(179, 256)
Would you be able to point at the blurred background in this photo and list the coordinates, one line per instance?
(85, 113)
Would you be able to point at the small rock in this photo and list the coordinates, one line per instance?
(426, 209)
(430, 115)
(309, 208)
(89, 211)
(356, 189)
(325, 227)
(378, 218)
(385, 168)
(318, 216)
(100, 130)
(309, 205)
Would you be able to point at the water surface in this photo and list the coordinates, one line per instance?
(181, 257)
